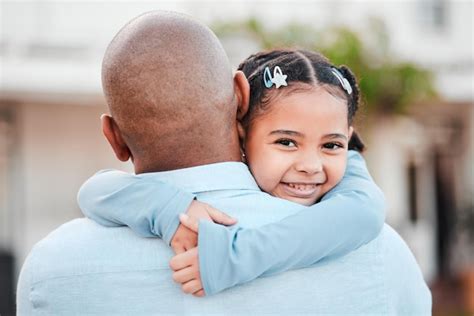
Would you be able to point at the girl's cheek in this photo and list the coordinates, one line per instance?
(335, 173)
(259, 173)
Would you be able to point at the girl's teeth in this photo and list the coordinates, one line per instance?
(301, 187)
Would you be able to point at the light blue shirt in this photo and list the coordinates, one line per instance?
(83, 268)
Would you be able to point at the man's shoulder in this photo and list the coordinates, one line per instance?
(394, 248)
(390, 237)
(404, 282)
(82, 246)
(384, 269)
(84, 268)
(76, 230)
(72, 236)
(393, 251)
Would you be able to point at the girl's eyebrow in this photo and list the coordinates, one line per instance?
(336, 135)
(295, 133)
(286, 132)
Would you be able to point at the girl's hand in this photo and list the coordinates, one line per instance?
(186, 272)
(186, 265)
(186, 238)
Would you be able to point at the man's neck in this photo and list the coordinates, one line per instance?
(181, 164)
(222, 150)
(172, 163)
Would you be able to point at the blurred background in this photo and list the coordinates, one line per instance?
(414, 60)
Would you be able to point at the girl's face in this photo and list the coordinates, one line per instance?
(298, 149)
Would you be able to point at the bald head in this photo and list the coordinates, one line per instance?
(169, 87)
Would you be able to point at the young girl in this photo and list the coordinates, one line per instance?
(285, 122)
(295, 140)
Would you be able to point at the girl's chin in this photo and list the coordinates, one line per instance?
(302, 201)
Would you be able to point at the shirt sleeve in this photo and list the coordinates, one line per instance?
(149, 207)
(348, 216)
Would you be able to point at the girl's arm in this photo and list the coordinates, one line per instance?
(150, 208)
(349, 216)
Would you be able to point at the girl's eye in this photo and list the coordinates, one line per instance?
(333, 146)
(286, 142)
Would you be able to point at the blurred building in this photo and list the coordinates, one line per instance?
(51, 99)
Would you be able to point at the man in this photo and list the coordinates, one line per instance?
(175, 105)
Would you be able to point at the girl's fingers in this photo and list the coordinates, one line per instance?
(185, 275)
(199, 293)
(178, 249)
(191, 287)
(220, 217)
(190, 222)
(184, 259)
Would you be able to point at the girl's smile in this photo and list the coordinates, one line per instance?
(300, 190)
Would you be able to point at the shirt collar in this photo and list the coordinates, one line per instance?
(211, 177)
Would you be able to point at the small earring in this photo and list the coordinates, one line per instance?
(243, 157)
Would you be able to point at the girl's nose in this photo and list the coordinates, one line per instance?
(309, 162)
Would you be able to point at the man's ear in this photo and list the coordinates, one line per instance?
(242, 92)
(114, 137)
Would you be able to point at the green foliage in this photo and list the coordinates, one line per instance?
(387, 86)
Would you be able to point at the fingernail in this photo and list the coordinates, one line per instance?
(183, 216)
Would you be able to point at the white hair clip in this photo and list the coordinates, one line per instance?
(344, 83)
(278, 79)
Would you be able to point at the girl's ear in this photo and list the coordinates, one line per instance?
(351, 130)
(242, 92)
(113, 135)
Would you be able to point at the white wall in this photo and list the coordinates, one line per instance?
(75, 34)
